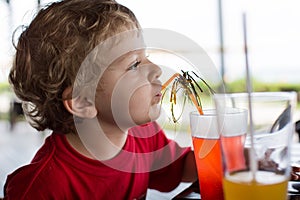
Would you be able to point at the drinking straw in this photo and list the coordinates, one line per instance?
(253, 164)
(191, 95)
(169, 81)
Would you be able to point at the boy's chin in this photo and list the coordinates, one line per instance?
(151, 117)
(154, 112)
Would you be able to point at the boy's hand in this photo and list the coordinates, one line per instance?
(190, 169)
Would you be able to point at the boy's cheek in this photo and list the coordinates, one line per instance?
(141, 108)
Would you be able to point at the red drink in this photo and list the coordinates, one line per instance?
(233, 152)
(209, 166)
(207, 144)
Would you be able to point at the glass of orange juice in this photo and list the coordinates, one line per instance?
(264, 165)
(207, 148)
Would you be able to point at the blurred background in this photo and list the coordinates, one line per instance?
(273, 32)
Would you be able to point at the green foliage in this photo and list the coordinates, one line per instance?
(4, 87)
(259, 86)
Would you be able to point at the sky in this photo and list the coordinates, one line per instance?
(273, 31)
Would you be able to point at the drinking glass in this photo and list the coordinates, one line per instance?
(264, 165)
(207, 148)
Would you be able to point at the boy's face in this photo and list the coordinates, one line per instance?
(129, 91)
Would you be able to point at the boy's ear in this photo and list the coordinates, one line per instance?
(79, 106)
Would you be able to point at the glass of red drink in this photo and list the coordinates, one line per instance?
(207, 148)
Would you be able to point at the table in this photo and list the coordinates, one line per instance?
(293, 194)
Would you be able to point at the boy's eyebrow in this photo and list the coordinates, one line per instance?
(122, 58)
(131, 53)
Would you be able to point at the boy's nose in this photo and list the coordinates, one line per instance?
(155, 72)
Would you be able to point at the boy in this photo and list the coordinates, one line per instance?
(81, 70)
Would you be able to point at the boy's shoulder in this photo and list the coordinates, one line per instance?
(21, 181)
(33, 180)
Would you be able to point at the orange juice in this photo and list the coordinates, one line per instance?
(209, 166)
(267, 185)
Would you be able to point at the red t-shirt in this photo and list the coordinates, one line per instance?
(148, 160)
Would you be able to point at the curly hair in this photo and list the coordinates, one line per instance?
(51, 49)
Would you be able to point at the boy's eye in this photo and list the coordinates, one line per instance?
(134, 65)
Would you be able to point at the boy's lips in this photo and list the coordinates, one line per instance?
(157, 97)
(158, 94)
